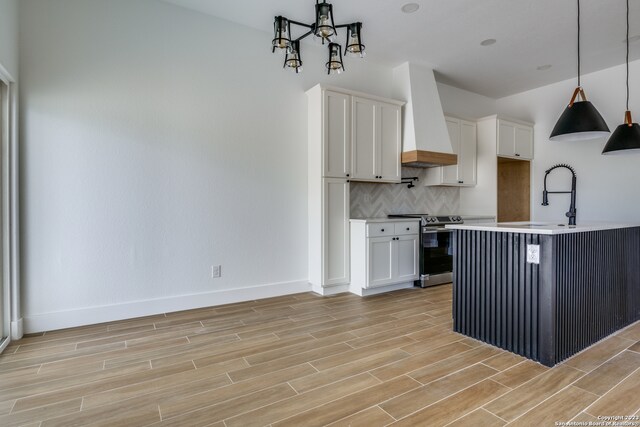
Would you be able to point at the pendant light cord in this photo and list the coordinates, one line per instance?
(579, 43)
(627, 55)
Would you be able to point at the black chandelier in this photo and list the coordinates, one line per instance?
(325, 29)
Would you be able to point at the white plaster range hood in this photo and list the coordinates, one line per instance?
(425, 138)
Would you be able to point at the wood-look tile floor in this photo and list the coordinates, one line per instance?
(306, 360)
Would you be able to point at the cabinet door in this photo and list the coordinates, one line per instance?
(467, 154)
(336, 232)
(390, 144)
(506, 138)
(336, 151)
(406, 258)
(363, 140)
(380, 257)
(450, 173)
(524, 142)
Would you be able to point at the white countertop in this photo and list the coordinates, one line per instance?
(540, 227)
(384, 219)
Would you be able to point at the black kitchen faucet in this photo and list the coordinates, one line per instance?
(545, 199)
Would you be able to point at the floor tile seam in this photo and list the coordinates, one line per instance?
(300, 352)
(547, 399)
(599, 365)
(73, 411)
(359, 412)
(496, 398)
(526, 383)
(202, 346)
(265, 363)
(322, 404)
(96, 355)
(440, 346)
(453, 372)
(424, 366)
(338, 365)
(91, 382)
(382, 409)
(578, 414)
(348, 376)
(462, 416)
(51, 380)
(519, 385)
(237, 397)
(155, 390)
(495, 415)
(448, 396)
(608, 391)
(78, 340)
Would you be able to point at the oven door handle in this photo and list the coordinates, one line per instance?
(436, 230)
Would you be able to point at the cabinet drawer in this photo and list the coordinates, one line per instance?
(381, 229)
(407, 228)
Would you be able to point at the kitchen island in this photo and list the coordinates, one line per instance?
(545, 291)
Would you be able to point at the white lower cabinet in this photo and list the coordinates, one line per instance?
(383, 254)
(335, 238)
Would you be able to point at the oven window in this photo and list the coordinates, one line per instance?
(437, 254)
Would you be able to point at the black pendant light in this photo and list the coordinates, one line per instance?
(580, 120)
(626, 138)
(325, 29)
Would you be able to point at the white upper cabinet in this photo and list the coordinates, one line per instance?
(376, 140)
(462, 134)
(336, 149)
(364, 139)
(515, 140)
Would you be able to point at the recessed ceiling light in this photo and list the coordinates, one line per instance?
(410, 7)
(632, 39)
(543, 67)
(487, 42)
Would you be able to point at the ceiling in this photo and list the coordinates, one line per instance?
(446, 35)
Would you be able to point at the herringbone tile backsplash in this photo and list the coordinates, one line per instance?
(370, 200)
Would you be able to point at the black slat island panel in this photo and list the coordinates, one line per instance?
(585, 287)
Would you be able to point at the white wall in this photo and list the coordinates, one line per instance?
(607, 186)
(9, 36)
(464, 104)
(158, 141)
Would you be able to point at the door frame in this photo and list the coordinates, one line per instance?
(9, 210)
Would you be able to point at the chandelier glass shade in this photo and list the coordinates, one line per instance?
(292, 59)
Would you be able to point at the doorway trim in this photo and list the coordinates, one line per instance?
(10, 207)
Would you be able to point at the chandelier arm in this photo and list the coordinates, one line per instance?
(310, 26)
(308, 33)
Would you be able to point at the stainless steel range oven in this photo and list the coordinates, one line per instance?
(436, 248)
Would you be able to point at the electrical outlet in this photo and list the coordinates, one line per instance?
(216, 271)
(533, 254)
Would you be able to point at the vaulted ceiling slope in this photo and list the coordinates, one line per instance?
(446, 35)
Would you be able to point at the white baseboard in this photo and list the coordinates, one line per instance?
(17, 330)
(109, 313)
(330, 290)
(374, 291)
